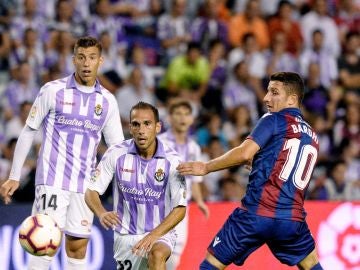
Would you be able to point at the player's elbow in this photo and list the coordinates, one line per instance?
(89, 197)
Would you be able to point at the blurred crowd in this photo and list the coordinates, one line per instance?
(218, 54)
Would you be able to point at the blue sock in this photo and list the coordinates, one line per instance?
(317, 267)
(205, 265)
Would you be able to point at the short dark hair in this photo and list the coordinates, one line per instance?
(294, 84)
(86, 42)
(178, 102)
(141, 105)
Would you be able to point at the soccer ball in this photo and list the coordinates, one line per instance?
(40, 235)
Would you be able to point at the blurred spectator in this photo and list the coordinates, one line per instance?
(318, 18)
(114, 56)
(239, 91)
(31, 50)
(65, 20)
(327, 62)
(212, 100)
(278, 59)
(212, 127)
(347, 18)
(18, 91)
(104, 22)
(249, 21)
(174, 31)
(316, 96)
(283, 22)
(238, 126)
(7, 11)
(187, 76)
(211, 180)
(255, 61)
(130, 94)
(27, 172)
(230, 190)
(138, 60)
(350, 153)
(60, 52)
(4, 58)
(29, 19)
(207, 27)
(348, 127)
(14, 126)
(349, 66)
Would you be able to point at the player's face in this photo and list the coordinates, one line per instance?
(277, 98)
(87, 62)
(181, 119)
(144, 128)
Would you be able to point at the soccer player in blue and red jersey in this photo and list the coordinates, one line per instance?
(283, 149)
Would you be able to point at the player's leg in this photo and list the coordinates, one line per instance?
(123, 255)
(53, 202)
(182, 234)
(293, 244)
(77, 229)
(311, 262)
(211, 263)
(235, 241)
(158, 255)
(161, 251)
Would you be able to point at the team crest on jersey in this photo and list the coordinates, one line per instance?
(159, 175)
(98, 109)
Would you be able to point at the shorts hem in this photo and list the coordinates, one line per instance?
(78, 235)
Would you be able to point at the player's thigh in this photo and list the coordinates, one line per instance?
(123, 255)
(79, 217)
(291, 241)
(53, 202)
(237, 239)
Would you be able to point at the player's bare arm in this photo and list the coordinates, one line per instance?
(108, 219)
(243, 154)
(171, 220)
(197, 196)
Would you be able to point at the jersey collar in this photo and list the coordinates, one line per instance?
(160, 152)
(71, 83)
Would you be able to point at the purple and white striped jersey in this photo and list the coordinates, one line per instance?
(145, 191)
(190, 151)
(71, 122)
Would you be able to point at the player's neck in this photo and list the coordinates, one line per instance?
(149, 152)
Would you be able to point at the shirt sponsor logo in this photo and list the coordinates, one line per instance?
(77, 123)
(159, 175)
(98, 109)
(148, 192)
(127, 170)
(67, 103)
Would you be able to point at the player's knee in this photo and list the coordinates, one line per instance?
(205, 265)
(317, 267)
(156, 256)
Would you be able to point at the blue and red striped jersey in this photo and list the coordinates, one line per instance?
(282, 168)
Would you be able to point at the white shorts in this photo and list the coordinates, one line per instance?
(126, 259)
(67, 208)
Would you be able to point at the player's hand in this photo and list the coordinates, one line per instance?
(7, 189)
(109, 220)
(144, 245)
(192, 168)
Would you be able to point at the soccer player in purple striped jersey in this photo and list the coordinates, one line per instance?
(178, 137)
(72, 113)
(149, 194)
(283, 150)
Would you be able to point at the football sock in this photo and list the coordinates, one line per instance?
(76, 264)
(317, 267)
(39, 262)
(205, 265)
